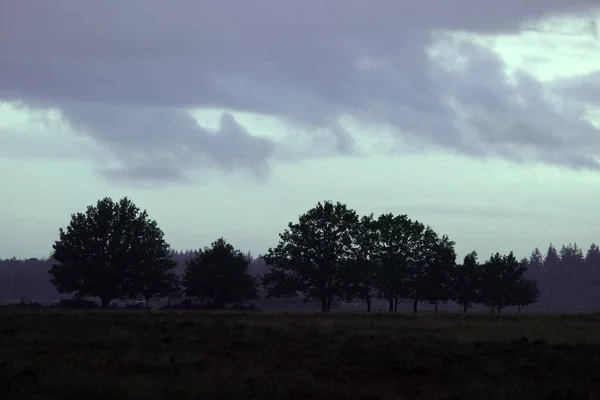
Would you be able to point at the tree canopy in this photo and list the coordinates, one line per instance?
(111, 251)
(219, 274)
(312, 254)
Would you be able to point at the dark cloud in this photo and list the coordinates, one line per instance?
(584, 88)
(163, 143)
(125, 74)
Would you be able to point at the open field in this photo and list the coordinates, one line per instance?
(112, 355)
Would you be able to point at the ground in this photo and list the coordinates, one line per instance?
(167, 355)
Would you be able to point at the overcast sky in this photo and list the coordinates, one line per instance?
(230, 118)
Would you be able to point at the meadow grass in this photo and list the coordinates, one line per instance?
(50, 354)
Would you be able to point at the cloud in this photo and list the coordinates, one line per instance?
(127, 74)
(162, 143)
(585, 88)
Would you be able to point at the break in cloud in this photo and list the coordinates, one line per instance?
(127, 74)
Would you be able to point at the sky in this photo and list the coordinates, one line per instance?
(229, 118)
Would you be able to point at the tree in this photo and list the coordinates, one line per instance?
(552, 259)
(536, 260)
(312, 255)
(526, 293)
(396, 241)
(466, 282)
(437, 286)
(501, 276)
(154, 276)
(105, 251)
(219, 274)
(592, 258)
(359, 279)
(172, 288)
(572, 256)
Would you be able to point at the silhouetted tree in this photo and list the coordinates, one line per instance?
(536, 260)
(219, 274)
(312, 254)
(466, 282)
(397, 237)
(438, 267)
(359, 279)
(501, 277)
(592, 257)
(106, 251)
(526, 293)
(552, 259)
(572, 256)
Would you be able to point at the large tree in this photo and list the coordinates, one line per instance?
(111, 251)
(219, 274)
(312, 255)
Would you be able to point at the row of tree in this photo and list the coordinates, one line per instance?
(332, 253)
(114, 251)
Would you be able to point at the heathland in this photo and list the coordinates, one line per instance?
(116, 354)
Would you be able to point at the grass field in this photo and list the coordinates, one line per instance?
(190, 355)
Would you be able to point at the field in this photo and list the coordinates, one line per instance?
(109, 355)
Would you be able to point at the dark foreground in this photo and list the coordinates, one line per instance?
(134, 355)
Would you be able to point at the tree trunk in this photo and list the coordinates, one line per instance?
(329, 301)
(436, 309)
(464, 308)
(323, 304)
(519, 311)
(368, 300)
(147, 301)
(391, 303)
(498, 312)
(105, 301)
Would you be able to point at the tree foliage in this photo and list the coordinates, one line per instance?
(466, 282)
(330, 255)
(312, 254)
(502, 275)
(112, 251)
(527, 293)
(219, 275)
(359, 277)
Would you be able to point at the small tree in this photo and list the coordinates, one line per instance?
(359, 279)
(592, 258)
(395, 245)
(466, 282)
(219, 274)
(536, 260)
(438, 272)
(107, 251)
(172, 288)
(526, 293)
(501, 276)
